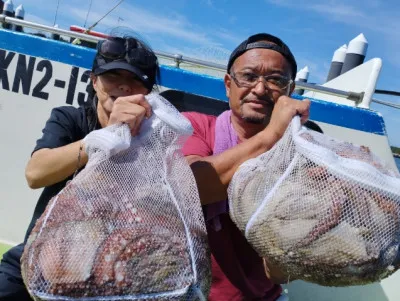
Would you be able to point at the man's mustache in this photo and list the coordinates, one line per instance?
(266, 100)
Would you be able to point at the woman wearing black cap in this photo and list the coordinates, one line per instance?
(124, 70)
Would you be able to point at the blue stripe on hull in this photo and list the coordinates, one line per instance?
(193, 83)
(346, 116)
(327, 112)
(47, 48)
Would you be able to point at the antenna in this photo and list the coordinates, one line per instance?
(77, 41)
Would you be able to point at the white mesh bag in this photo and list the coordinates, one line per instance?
(322, 210)
(129, 226)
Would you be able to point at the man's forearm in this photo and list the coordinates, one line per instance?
(214, 173)
(50, 166)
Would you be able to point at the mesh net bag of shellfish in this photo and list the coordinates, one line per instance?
(129, 226)
(322, 210)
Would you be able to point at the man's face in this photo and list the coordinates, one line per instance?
(255, 104)
(116, 83)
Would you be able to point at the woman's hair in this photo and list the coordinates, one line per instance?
(91, 109)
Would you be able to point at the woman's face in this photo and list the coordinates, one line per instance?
(116, 83)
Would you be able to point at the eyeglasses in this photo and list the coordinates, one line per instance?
(250, 80)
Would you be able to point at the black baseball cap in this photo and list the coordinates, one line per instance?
(266, 41)
(127, 54)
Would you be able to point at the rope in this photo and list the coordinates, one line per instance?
(55, 17)
(385, 103)
(77, 41)
(87, 15)
(387, 92)
(91, 27)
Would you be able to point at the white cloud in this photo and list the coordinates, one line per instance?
(367, 13)
(208, 53)
(228, 36)
(280, 2)
(165, 23)
(147, 22)
(208, 2)
(376, 17)
(318, 68)
(338, 11)
(160, 27)
(37, 19)
(232, 19)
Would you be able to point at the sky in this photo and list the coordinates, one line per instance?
(211, 29)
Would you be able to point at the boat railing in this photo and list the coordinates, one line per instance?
(179, 59)
(50, 29)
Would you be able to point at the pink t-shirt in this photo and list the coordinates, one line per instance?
(237, 270)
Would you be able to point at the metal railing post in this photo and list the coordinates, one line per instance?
(178, 60)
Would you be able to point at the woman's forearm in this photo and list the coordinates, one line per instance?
(50, 166)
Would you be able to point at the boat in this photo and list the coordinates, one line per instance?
(38, 74)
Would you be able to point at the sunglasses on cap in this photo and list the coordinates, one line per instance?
(130, 50)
